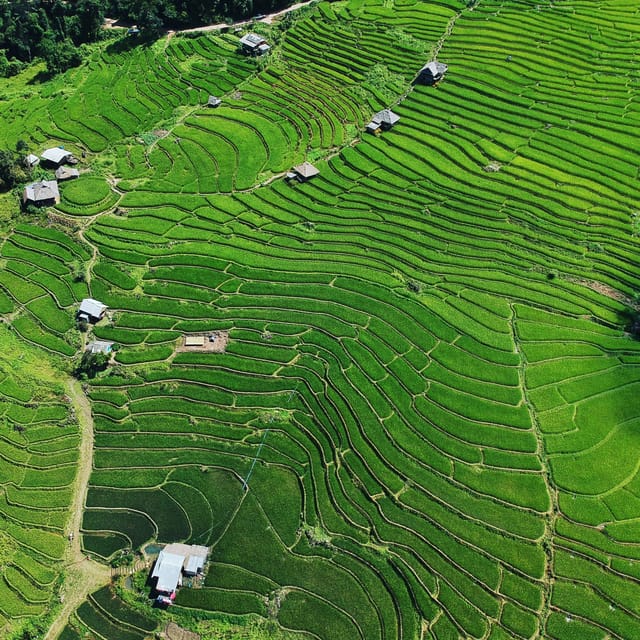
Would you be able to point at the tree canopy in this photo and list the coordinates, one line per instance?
(54, 29)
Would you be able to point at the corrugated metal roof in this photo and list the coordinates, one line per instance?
(55, 155)
(167, 570)
(93, 308)
(42, 191)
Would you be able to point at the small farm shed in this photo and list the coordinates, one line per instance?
(194, 341)
(254, 44)
(57, 156)
(384, 120)
(65, 173)
(176, 560)
(31, 161)
(214, 101)
(303, 172)
(133, 31)
(91, 310)
(41, 193)
(100, 346)
(432, 72)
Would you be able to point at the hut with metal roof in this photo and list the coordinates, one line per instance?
(383, 120)
(432, 72)
(303, 172)
(91, 310)
(42, 194)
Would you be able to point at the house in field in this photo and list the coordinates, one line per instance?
(66, 173)
(91, 310)
(303, 172)
(42, 194)
(253, 44)
(57, 156)
(432, 72)
(31, 161)
(175, 561)
(194, 341)
(100, 346)
(214, 101)
(383, 121)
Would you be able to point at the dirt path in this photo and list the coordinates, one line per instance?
(82, 576)
(111, 23)
(268, 19)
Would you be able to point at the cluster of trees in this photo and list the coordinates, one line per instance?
(151, 16)
(12, 169)
(55, 30)
(48, 29)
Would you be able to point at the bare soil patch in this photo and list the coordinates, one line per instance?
(173, 632)
(213, 342)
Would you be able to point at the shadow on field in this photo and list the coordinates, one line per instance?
(41, 77)
(630, 318)
(128, 43)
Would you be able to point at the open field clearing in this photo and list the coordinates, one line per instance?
(425, 420)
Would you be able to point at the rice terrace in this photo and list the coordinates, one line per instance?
(325, 326)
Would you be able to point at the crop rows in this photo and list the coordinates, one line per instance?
(41, 285)
(38, 448)
(105, 615)
(424, 419)
(394, 376)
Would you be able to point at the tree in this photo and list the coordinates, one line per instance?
(11, 170)
(90, 15)
(90, 364)
(59, 55)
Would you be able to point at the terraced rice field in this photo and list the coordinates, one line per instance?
(105, 615)
(39, 441)
(425, 423)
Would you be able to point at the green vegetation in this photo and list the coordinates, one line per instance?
(39, 448)
(424, 423)
(105, 615)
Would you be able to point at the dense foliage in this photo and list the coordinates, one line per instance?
(153, 14)
(50, 30)
(53, 30)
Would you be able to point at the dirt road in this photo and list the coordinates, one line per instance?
(82, 576)
(111, 23)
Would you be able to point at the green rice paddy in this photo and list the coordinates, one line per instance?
(38, 447)
(425, 423)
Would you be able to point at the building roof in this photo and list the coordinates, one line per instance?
(173, 559)
(252, 40)
(93, 308)
(194, 341)
(100, 346)
(185, 550)
(32, 160)
(263, 48)
(66, 173)
(42, 191)
(435, 68)
(194, 564)
(167, 570)
(55, 155)
(306, 170)
(386, 116)
(213, 101)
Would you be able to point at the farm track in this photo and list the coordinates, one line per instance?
(82, 575)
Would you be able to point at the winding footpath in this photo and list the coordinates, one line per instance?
(82, 576)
